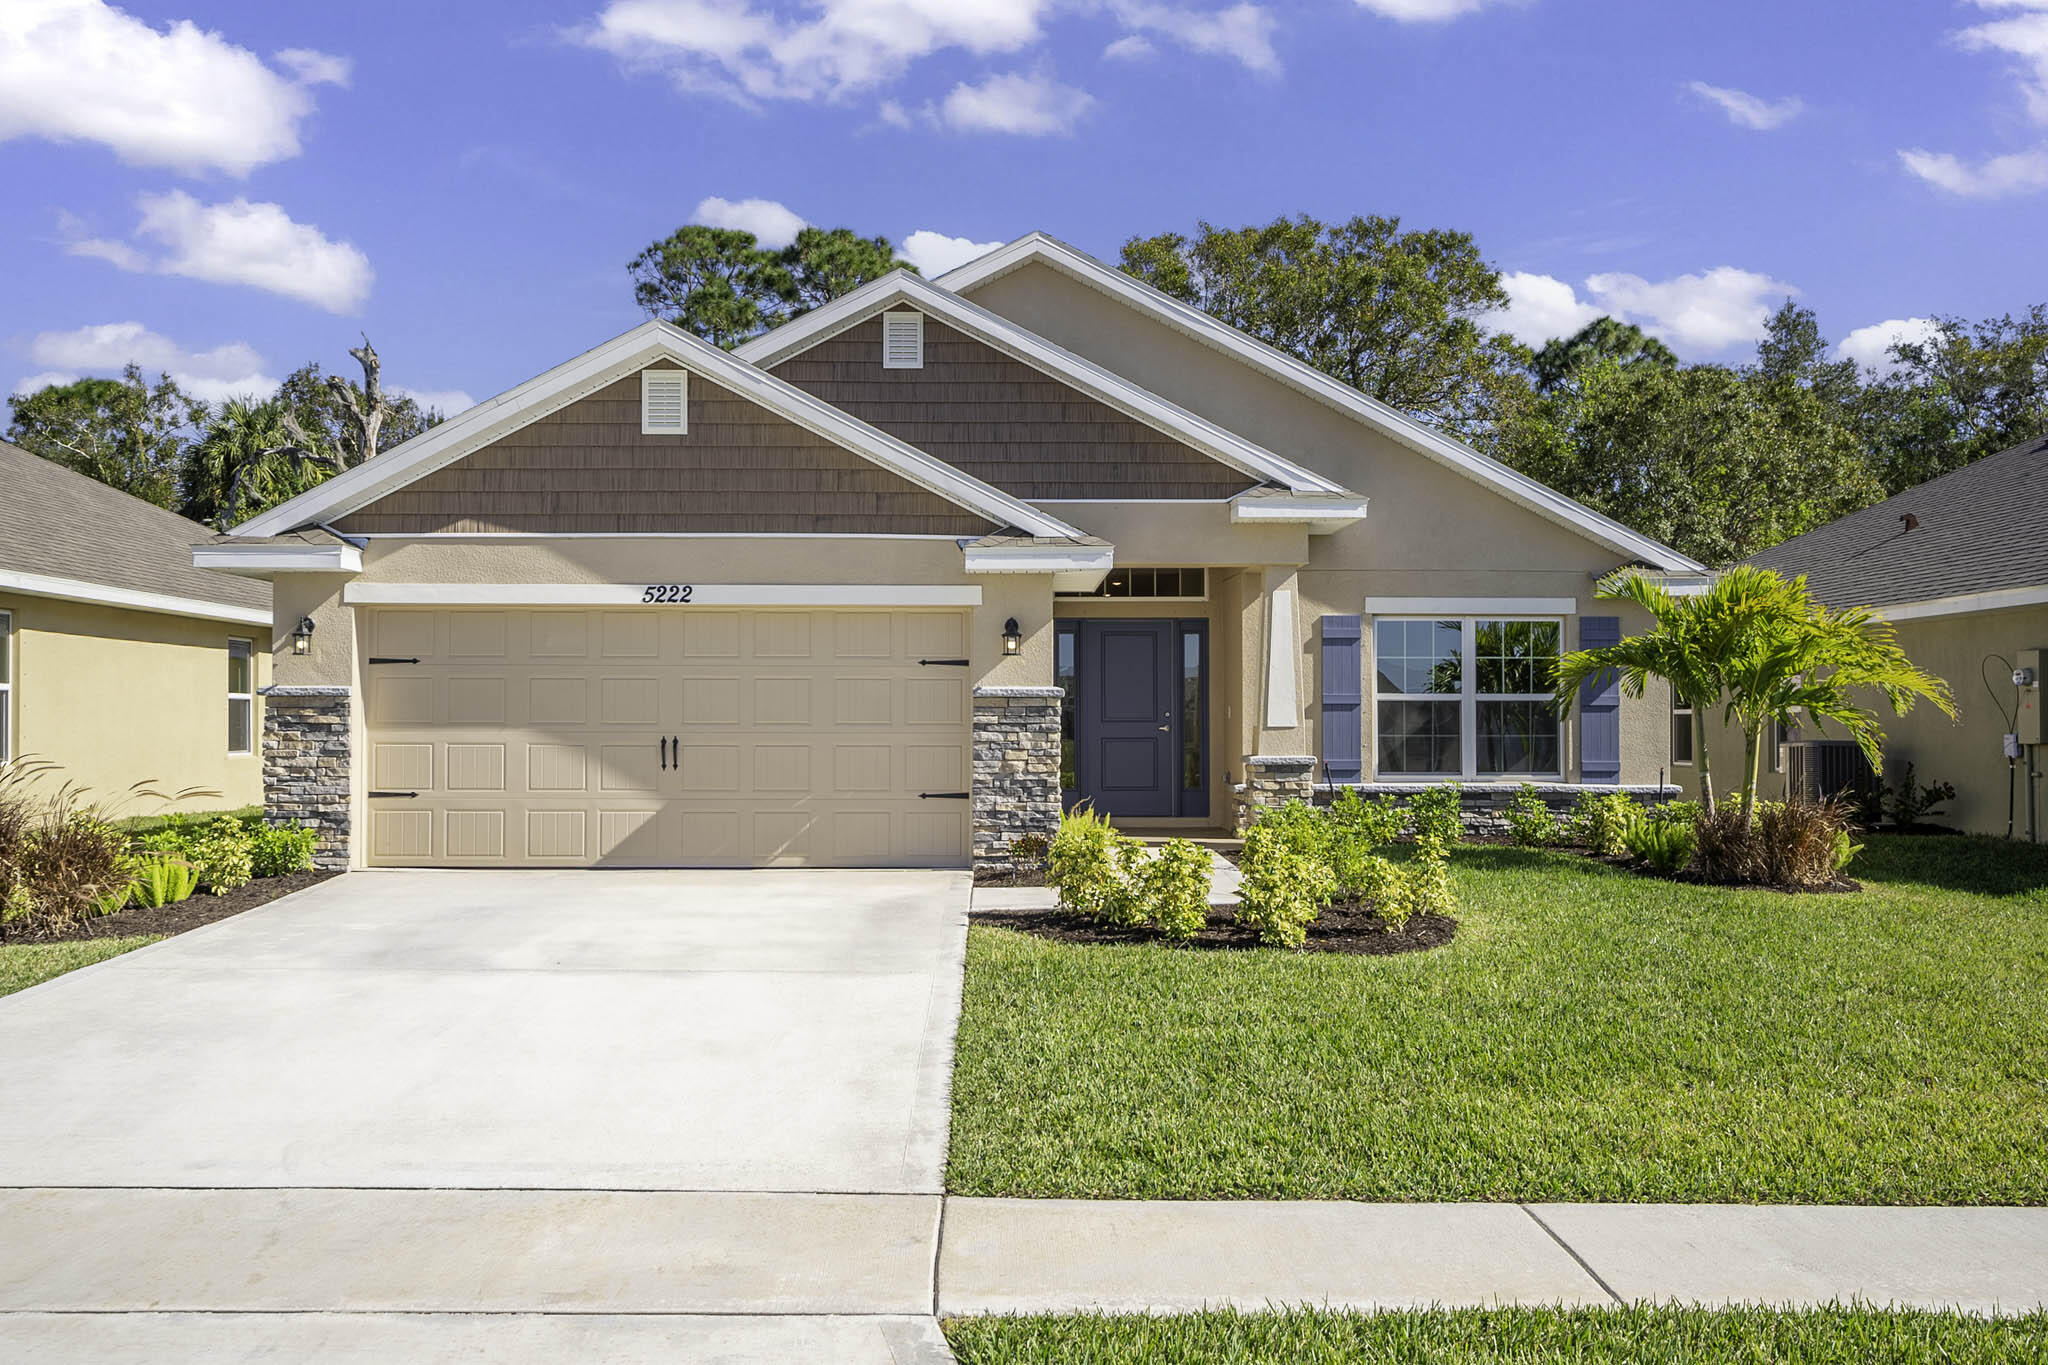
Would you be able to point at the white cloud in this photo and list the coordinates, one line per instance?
(733, 48)
(1028, 105)
(1745, 110)
(1243, 32)
(773, 225)
(224, 372)
(117, 254)
(1134, 47)
(447, 402)
(180, 97)
(894, 114)
(1871, 346)
(2024, 36)
(1422, 11)
(255, 244)
(934, 253)
(1709, 312)
(316, 68)
(1540, 307)
(1993, 178)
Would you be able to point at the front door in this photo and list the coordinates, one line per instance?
(1129, 718)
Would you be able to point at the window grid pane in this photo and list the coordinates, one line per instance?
(1066, 674)
(1419, 658)
(1681, 734)
(1420, 738)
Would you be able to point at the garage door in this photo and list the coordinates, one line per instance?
(667, 738)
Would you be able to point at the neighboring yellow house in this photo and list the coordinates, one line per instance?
(119, 661)
(1959, 565)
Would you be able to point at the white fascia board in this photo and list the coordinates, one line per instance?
(594, 369)
(1331, 512)
(1998, 599)
(1227, 447)
(1471, 606)
(100, 595)
(1040, 559)
(633, 594)
(260, 561)
(1192, 321)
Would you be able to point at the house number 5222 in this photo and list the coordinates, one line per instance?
(666, 592)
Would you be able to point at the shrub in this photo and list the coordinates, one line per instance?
(161, 879)
(1172, 886)
(1429, 878)
(1728, 850)
(1087, 863)
(1530, 820)
(1374, 822)
(1438, 812)
(1909, 803)
(72, 866)
(1845, 850)
(1601, 821)
(1029, 850)
(1666, 845)
(1685, 813)
(1798, 842)
(1287, 878)
(279, 850)
(222, 854)
(1385, 885)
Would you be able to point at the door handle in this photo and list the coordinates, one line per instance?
(1164, 729)
(664, 753)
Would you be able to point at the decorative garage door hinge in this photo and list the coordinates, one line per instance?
(942, 796)
(404, 794)
(944, 663)
(394, 661)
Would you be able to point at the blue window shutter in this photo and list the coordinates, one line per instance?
(1343, 699)
(1600, 706)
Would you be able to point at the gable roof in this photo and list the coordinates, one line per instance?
(902, 287)
(65, 535)
(493, 418)
(1040, 248)
(1981, 529)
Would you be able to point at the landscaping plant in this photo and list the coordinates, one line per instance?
(1287, 878)
(1386, 887)
(1799, 842)
(1601, 821)
(1172, 887)
(1438, 812)
(1026, 850)
(71, 866)
(1531, 823)
(1377, 821)
(161, 879)
(280, 850)
(1429, 878)
(223, 855)
(1666, 845)
(1909, 803)
(1088, 865)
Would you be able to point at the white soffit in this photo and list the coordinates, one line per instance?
(99, 594)
(257, 561)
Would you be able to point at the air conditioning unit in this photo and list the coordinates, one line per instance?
(1828, 770)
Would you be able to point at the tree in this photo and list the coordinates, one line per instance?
(1397, 315)
(125, 432)
(1968, 391)
(252, 456)
(332, 413)
(823, 264)
(722, 285)
(1603, 339)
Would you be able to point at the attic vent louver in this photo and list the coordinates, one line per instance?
(902, 341)
(664, 402)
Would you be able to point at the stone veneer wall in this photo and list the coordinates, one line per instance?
(1484, 804)
(1016, 769)
(1274, 780)
(306, 765)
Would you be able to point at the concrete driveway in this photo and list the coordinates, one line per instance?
(592, 1093)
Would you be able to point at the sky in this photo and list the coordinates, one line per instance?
(226, 189)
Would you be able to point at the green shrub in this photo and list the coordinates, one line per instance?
(1438, 812)
(1429, 878)
(1666, 845)
(1287, 882)
(1845, 850)
(279, 850)
(161, 879)
(1674, 813)
(222, 853)
(1028, 850)
(1531, 823)
(1374, 822)
(1910, 801)
(1601, 822)
(1088, 865)
(1172, 887)
(71, 867)
(1385, 886)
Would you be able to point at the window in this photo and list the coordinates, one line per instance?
(664, 402)
(1681, 732)
(1185, 584)
(6, 686)
(902, 341)
(1067, 676)
(1466, 697)
(241, 696)
(1194, 718)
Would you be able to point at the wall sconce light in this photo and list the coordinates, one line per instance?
(302, 638)
(1013, 638)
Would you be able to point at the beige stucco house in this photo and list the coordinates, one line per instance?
(1959, 565)
(120, 662)
(891, 583)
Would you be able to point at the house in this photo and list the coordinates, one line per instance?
(890, 584)
(1959, 565)
(120, 662)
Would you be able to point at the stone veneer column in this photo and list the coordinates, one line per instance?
(1274, 780)
(306, 762)
(1016, 769)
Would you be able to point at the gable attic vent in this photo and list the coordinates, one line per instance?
(903, 341)
(664, 402)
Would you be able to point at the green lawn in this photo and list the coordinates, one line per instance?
(1591, 1035)
(24, 964)
(1508, 1336)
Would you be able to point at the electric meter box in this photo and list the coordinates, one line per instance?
(2030, 697)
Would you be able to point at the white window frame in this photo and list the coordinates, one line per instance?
(7, 667)
(682, 377)
(247, 699)
(1206, 571)
(1468, 698)
(897, 317)
(1680, 707)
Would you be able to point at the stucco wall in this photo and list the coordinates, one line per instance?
(118, 697)
(1966, 752)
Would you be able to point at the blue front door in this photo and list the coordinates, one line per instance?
(1130, 718)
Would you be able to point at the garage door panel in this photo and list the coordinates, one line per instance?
(782, 635)
(401, 767)
(475, 835)
(558, 635)
(557, 835)
(782, 700)
(864, 700)
(556, 768)
(557, 701)
(630, 767)
(862, 768)
(782, 767)
(863, 634)
(782, 838)
(630, 701)
(711, 701)
(474, 767)
(472, 701)
(934, 835)
(710, 837)
(476, 635)
(403, 633)
(708, 768)
(402, 835)
(935, 703)
(711, 635)
(406, 699)
(631, 836)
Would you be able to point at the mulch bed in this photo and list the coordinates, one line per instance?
(1036, 877)
(190, 913)
(1345, 927)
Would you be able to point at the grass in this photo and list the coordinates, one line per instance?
(1591, 1035)
(1509, 1336)
(26, 964)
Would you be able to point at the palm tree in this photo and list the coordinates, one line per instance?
(252, 455)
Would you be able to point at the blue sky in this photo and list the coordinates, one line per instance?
(227, 190)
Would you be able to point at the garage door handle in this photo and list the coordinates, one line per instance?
(942, 796)
(404, 794)
(664, 753)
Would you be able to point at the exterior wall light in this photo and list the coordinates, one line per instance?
(1013, 638)
(302, 638)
